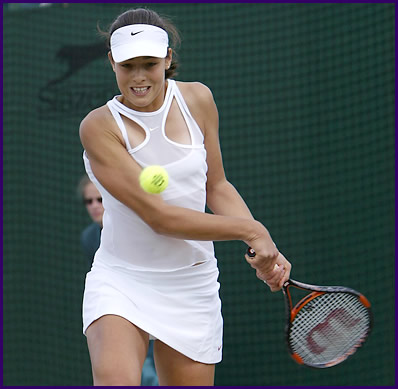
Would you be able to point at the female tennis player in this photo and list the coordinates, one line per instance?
(155, 275)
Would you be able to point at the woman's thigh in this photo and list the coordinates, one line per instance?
(175, 369)
(117, 351)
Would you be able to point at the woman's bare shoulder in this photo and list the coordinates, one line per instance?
(200, 102)
(99, 123)
(195, 91)
(97, 115)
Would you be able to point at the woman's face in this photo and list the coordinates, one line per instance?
(93, 201)
(141, 81)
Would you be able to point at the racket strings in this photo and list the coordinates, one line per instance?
(329, 327)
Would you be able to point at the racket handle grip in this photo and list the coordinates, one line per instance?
(250, 252)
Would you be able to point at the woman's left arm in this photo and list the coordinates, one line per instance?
(222, 196)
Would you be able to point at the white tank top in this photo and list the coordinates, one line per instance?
(126, 240)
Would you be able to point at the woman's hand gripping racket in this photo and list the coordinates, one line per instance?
(327, 325)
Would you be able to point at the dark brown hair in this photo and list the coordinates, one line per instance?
(147, 16)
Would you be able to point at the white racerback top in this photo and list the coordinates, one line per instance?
(126, 240)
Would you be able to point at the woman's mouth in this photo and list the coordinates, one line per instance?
(140, 91)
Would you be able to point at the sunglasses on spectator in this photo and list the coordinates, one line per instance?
(90, 201)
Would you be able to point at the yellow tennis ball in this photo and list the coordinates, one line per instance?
(154, 179)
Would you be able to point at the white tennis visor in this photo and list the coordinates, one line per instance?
(139, 40)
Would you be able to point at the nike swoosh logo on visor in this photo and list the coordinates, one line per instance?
(135, 33)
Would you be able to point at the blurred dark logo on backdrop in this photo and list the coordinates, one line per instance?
(70, 94)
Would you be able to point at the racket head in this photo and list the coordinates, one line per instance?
(326, 326)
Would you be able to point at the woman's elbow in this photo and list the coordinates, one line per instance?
(157, 220)
(157, 225)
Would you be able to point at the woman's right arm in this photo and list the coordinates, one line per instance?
(118, 173)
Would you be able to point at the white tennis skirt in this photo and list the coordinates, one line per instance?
(182, 308)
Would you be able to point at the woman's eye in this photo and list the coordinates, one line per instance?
(146, 65)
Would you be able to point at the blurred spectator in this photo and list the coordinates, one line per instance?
(92, 200)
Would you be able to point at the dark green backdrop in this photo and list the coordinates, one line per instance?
(306, 100)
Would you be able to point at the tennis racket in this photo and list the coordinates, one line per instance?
(327, 325)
